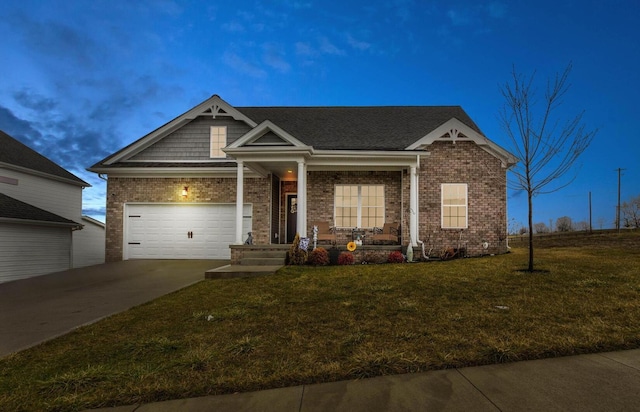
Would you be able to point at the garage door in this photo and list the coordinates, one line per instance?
(170, 231)
(27, 251)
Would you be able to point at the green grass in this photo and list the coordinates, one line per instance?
(308, 325)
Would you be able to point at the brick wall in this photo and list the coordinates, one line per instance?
(168, 190)
(463, 162)
(320, 197)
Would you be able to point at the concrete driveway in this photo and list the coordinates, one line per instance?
(41, 308)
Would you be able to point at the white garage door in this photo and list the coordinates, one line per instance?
(27, 251)
(171, 231)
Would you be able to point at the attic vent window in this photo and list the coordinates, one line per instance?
(454, 134)
(218, 141)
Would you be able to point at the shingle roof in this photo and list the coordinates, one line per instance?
(15, 153)
(11, 208)
(359, 128)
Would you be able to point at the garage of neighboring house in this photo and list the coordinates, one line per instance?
(181, 231)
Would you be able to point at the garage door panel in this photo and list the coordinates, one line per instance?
(160, 231)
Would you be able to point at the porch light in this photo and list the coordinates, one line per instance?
(185, 191)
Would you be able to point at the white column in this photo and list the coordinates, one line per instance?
(239, 202)
(302, 200)
(413, 206)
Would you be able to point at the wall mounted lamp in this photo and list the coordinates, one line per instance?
(185, 191)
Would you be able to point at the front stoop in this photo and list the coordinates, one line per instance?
(240, 271)
(253, 263)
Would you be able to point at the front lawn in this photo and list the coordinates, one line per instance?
(308, 325)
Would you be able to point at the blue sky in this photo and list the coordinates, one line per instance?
(82, 79)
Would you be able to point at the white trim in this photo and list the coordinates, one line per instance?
(213, 104)
(33, 172)
(260, 130)
(455, 128)
(239, 201)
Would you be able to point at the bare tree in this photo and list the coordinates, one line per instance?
(631, 213)
(546, 148)
(541, 227)
(564, 224)
(582, 225)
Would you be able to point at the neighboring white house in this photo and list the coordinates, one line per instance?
(89, 243)
(41, 215)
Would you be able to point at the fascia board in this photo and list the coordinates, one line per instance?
(173, 125)
(259, 130)
(32, 172)
(39, 223)
(170, 172)
(506, 157)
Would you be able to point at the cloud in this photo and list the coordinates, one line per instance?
(241, 65)
(326, 47)
(233, 27)
(57, 41)
(357, 44)
(274, 57)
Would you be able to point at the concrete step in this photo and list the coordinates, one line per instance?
(240, 271)
(257, 254)
(262, 261)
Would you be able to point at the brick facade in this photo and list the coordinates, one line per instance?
(464, 162)
(320, 196)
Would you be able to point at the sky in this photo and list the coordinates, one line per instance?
(82, 79)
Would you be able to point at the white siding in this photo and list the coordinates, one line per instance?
(60, 198)
(27, 250)
(88, 244)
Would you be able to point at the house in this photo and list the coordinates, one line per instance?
(40, 215)
(201, 182)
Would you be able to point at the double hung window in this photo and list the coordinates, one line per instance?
(454, 206)
(218, 140)
(359, 205)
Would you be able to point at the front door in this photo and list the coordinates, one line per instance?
(292, 216)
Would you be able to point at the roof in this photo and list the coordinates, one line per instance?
(368, 129)
(17, 154)
(14, 209)
(359, 128)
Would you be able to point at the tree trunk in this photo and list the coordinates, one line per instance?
(530, 199)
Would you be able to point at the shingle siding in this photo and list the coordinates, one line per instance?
(191, 142)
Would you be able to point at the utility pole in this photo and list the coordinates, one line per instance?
(590, 227)
(618, 207)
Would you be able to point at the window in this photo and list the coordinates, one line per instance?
(454, 206)
(359, 205)
(218, 140)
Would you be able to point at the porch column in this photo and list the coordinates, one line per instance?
(239, 201)
(302, 199)
(413, 206)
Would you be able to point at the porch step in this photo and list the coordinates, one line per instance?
(240, 271)
(263, 258)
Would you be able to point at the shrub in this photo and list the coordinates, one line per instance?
(345, 258)
(395, 257)
(318, 257)
(296, 256)
(374, 258)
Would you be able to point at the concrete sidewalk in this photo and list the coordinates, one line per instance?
(41, 308)
(598, 382)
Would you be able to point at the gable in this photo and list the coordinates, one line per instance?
(454, 131)
(191, 142)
